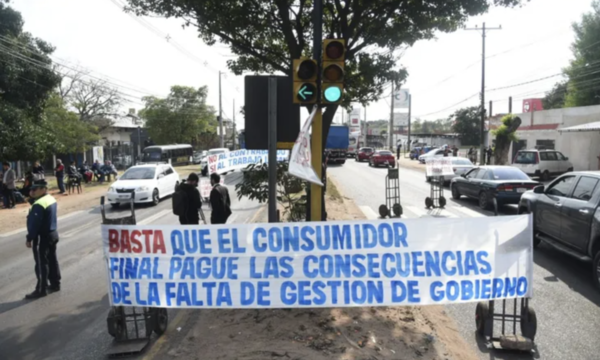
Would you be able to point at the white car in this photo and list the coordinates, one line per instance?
(431, 154)
(150, 183)
(542, 163)
(204, 163)
(460, 165)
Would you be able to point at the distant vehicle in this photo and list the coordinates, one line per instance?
(197, 157)
(382, 157)
(204, 163)
(354, 144)
(170, 154)
(506, 184)
(432, 153)
(460, 166)
(150, 182)
(542, 163)
(337, 144)
(566, 215)
(364, 154)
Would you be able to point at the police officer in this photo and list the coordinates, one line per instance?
(42, 237)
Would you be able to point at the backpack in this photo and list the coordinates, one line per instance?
(180, 202)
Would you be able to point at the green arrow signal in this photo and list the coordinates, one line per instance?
(304, 92)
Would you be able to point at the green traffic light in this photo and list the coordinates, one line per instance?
(306, 92)
(333, 94)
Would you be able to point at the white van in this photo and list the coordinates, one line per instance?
(542, 163)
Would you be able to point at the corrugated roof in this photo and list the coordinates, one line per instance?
(593, 126)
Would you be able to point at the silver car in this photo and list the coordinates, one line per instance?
(460, 165)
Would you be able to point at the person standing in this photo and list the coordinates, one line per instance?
(398, 150)
(488, 154)
(454, 151)
(60, 175)
(219, 201)
(37, 171)
(42, 238)
(192, 201)
(9, 179)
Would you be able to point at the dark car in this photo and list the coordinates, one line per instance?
(364, 154)
(382, 157)
(566, 215)
(506, 184)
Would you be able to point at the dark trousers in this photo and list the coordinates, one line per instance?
(188, 220)
(46, 264)
(9, 197)
(60, 180)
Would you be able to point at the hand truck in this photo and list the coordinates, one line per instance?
(436, 197)
(392, 207)
(131, 327)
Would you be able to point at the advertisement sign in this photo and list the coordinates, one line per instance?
(300, 161)
(98, 154)
(240, 159)
(439, 166)
(391, 262)
(531, 105)
(400, 119)
(401, 97)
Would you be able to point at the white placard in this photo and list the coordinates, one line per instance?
(400, 119)
(300, 161)
(240, 159)
(401, 99)
(206, 187)
(439, 166)
(98, 154)
(392, 262)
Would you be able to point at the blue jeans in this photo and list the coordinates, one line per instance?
(61, 183)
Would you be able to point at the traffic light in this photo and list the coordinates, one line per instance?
(332, 89)
(305, 81)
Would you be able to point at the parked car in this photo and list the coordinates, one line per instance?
(566, 215)
(198, 156)
(506, 184)
(150, 182)
(382, 157)
(364, 154)
(542, 163)
(460, 166)
(432, 153)
(204, 163)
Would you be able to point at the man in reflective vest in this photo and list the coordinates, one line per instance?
(42, 237)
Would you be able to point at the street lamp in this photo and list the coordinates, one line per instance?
(139, 143)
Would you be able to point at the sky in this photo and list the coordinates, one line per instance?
(146, 56)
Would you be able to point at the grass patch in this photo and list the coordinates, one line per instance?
(333, 191)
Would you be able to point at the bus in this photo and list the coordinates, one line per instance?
(171, 154)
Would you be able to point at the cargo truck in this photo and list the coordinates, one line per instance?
(336, 147)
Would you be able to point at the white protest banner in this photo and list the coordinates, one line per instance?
(300, 161)
(98, 154)
(239, 159)
(401, 99)
(206, 187)
(439, 166)
(320, 264)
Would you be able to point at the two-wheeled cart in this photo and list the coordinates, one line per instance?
(436, 197)
(521, 313)
(132, 327)
(392, 207)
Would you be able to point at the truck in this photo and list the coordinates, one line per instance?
(336, 147)
(566, 216)
(354, 144)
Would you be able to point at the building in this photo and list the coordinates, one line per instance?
(553, 129)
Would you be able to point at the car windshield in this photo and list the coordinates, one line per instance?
(139, 173)
(152, 156)
(461, 162)
(509, 173)
(526, 157)
(384, 152)
(366, 150)
(214, 152)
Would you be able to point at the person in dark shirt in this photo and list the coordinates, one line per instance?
(42, 238)
(60, 175)
(194, 203)
(219, 201)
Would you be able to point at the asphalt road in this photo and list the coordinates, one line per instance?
(71, 324)
(566, 303)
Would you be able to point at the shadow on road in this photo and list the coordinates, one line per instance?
(4, 307)
(485, 348)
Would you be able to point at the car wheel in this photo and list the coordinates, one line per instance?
(370, 164)
(455, 193)
(115, 206)
(536, 240)
(484, 202)
(155, 197)
(545, 176)
(596, 268)
(356, 159)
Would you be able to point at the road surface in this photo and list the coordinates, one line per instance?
(566, 303)
(71, 324)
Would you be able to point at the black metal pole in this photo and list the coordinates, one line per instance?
(272, 119)
(409, 115)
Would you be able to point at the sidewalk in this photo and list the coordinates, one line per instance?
(406, 332)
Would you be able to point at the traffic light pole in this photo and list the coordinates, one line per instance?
(316, 191)
(272, 119)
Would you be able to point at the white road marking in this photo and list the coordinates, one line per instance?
(78, 229)
(369, 213)
(156, 216)
(467, 211)
(18, 231)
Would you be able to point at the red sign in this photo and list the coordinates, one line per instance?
(354, 121)
(531, 105)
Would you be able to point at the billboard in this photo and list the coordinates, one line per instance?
(531, 105)
(401, 97)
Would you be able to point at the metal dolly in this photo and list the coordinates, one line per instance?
(436, 198)
(485, 316)
(392, 207)
(132, 327)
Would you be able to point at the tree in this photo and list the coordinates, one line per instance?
(26, 82)
(466, 123)
(583, 89)
(179, 118)
(416, 126)
(267, 35)
(505, 135)
(555, 98)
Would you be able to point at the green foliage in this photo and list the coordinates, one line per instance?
(506, 129)
(289, 189)
(555, 98)
(505, 135)
(583, 74)
(466, 122)
(181, 117)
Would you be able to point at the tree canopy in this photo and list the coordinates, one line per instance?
(179, 118)
(466, 122)
(555, 98)
(267, 35)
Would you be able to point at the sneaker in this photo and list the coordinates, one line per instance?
(35, 295)
(53, 289)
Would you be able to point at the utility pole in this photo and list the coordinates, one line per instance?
(409, 115)
(316, 191)
(221, 114)
(481, 127)
(363, 130)
(391, 132)
(510, 104)
(234, 133)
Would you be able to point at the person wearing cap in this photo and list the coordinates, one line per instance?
(42, 238)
